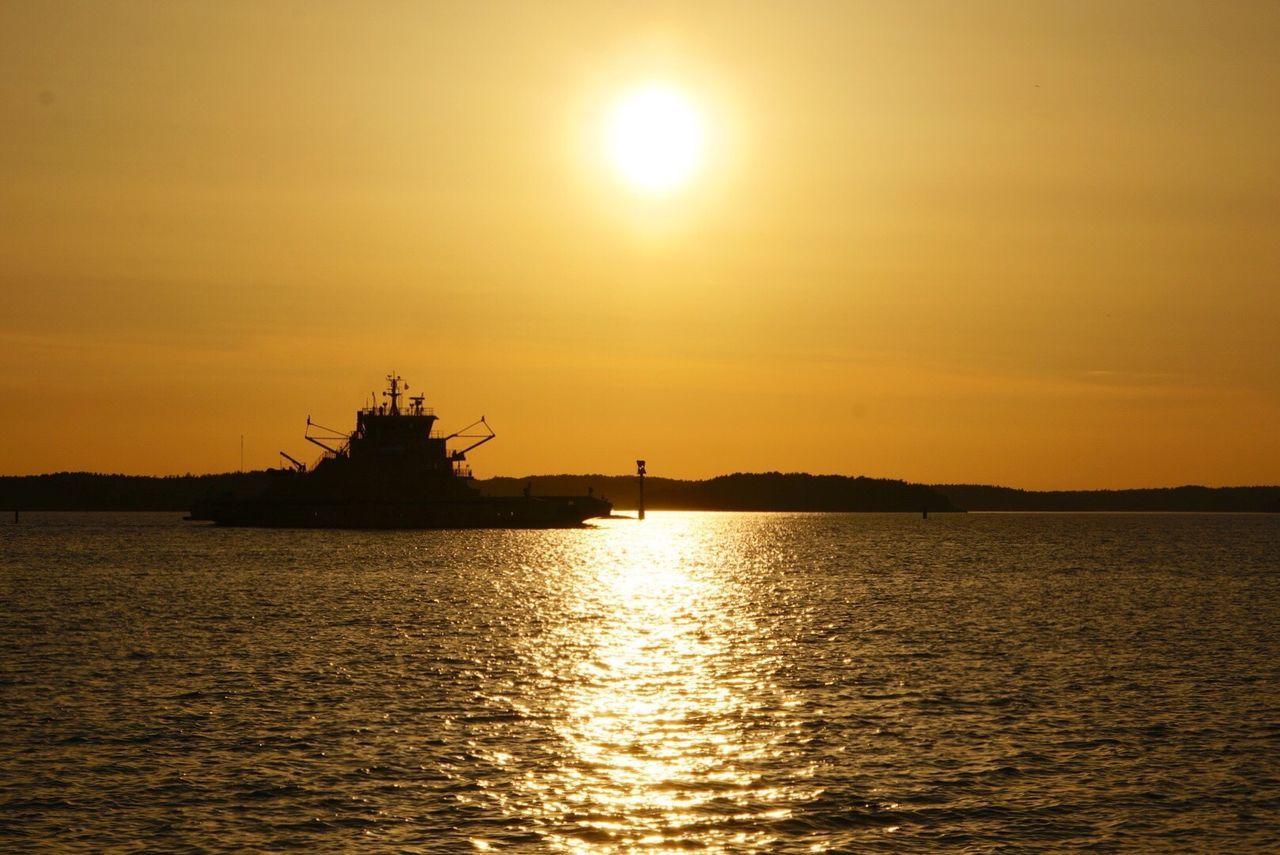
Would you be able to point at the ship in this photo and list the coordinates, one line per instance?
(394, 471)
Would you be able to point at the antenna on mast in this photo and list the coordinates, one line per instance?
(393, 392)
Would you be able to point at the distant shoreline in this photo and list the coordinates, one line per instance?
(767, 491)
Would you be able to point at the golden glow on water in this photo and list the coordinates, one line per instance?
(780, 683)
(655, 715)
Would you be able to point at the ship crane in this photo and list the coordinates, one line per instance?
(297, 464)
(333, 435)
(480, 438)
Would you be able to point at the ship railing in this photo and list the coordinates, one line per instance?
(404, 411)
(462, 471)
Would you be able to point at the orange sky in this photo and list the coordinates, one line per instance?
(1026, 243)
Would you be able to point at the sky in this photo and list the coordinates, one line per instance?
(1034, 244)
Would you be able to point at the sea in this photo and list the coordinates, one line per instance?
(695, 682)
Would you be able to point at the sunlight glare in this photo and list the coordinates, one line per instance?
(655, 139)
(654, 713)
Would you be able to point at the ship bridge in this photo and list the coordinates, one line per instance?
(402, 440)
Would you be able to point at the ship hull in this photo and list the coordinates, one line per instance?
(480, 512)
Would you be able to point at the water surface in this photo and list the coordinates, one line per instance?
(717, 682)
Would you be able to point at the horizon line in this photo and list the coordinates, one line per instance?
(1183, 486)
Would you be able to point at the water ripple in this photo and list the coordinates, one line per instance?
(706, 682)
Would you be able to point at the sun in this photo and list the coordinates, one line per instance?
(654, 139)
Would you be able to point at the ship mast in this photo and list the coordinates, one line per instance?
(394, 386)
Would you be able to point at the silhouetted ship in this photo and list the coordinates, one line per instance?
(394, 471)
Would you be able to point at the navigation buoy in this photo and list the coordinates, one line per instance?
(640, 474)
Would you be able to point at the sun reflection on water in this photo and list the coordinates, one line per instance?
(667, 713)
